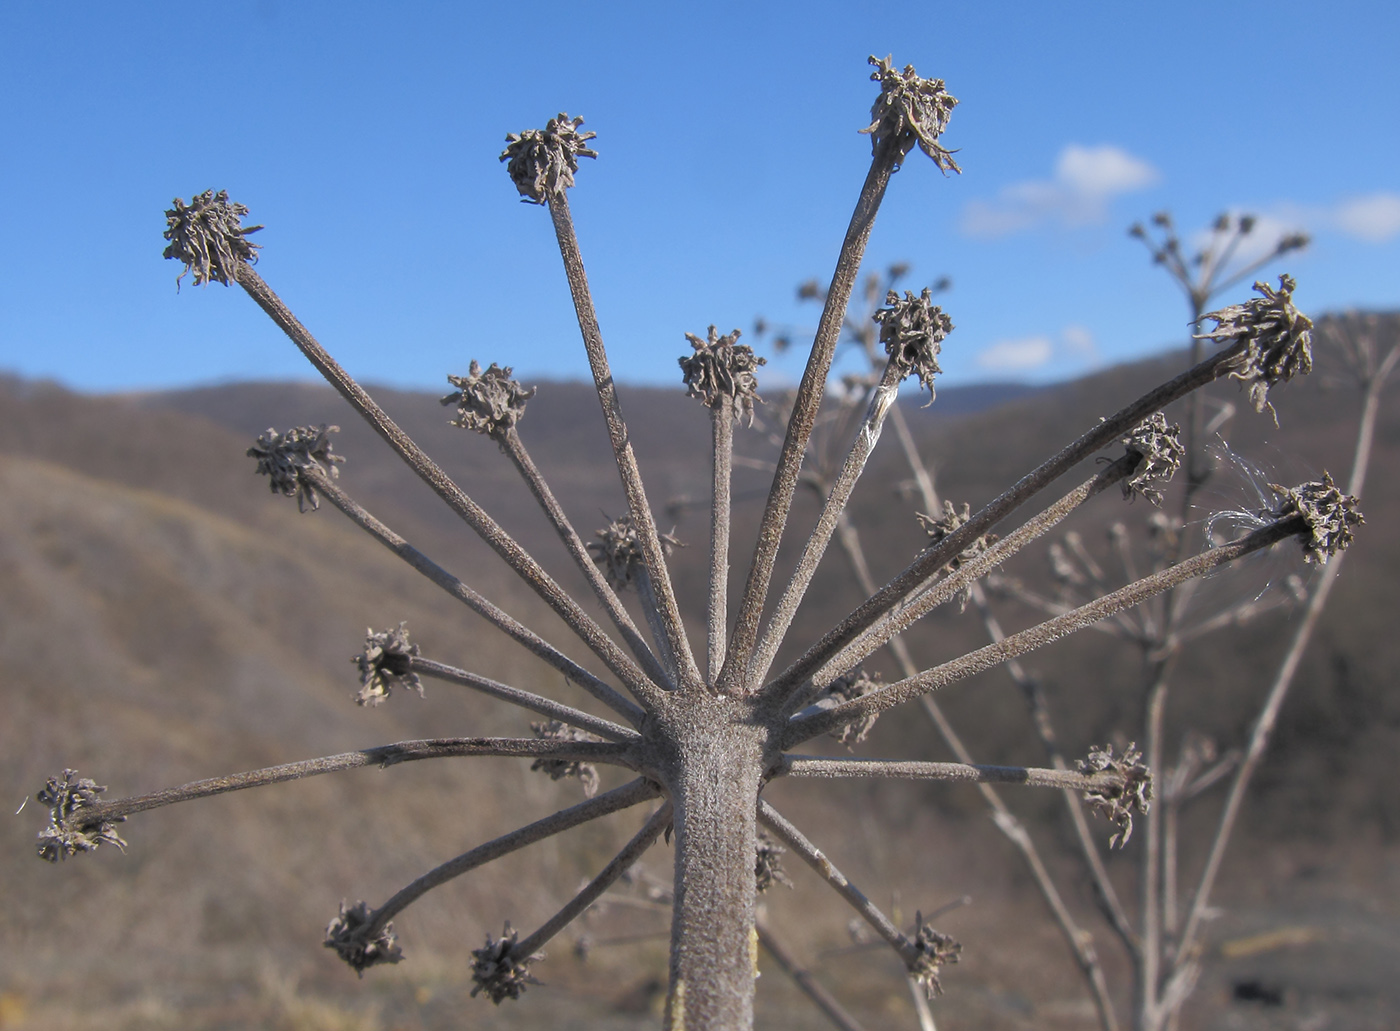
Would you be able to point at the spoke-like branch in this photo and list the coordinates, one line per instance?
(525, 699)
(637, 505)
(722, 437)
(1067, 780)
(630, 794)
(488, 611)
(589, 894)
(804, 728)
(384, 755)
(514, 447)
(935, 558)
(806, 983)
(428, 471)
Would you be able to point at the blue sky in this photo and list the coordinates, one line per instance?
(366, 139)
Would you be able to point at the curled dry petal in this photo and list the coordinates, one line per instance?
(386, 663)
(931, 951)
(347, 934)
(209, 237)
(285, 458)
(721, 373)
(488, 402)
(498, 972)
(1278, 338)
(542, 162)
(913, 330)
(619, 552)
(940, 527)
(1161, 451)
(1119, 803)
(768, 866)
(909, 111)
(67, 833)
(1329, 513)
(558, 769)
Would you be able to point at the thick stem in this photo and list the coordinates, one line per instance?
(722, 434)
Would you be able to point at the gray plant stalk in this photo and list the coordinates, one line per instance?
(707, 743)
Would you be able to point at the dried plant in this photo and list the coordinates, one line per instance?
(702, 742)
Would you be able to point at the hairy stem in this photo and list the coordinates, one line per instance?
(1067, 780)
(722, 436)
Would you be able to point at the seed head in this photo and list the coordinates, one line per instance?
(619, 552)
(931, 950)
(721, 373)
(558, 769)
(385, 663)
(1119, 803)
(68, 833)
(767, 866)
(286, 458)
(489, 402)
(498, 972)
(910, 110)
(913, 331)
(1161, 452)
(846, 688)
(940, 527)
(1329, 513)
(208, 236)
(347, 934)
(1278, 335)
(543, 161)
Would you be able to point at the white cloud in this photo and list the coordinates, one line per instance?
(1374, 218)
(1079, 344)
(1075, 348)
(1085, 182)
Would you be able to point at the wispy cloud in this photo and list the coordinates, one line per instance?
(1084, 184)
(1075, 348)
(1374, 218)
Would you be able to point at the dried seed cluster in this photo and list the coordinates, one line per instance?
(386, 663)
(488, 402)
(931, 950)
(768, 864)
(721, 373)
(67, 833)
(847, 688)
(940, 527)
(619, 552)
(1329, 513)
(913, 330)
(286, 458)
(208, 236)
(909, 111)
(1119, 803)
(542, 162)
(498, 972)
(1162, 453)
(347, 935)
(1279, 340)
(558, 769)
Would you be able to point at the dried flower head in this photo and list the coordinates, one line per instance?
(1161, 451)
(489, 402)
(931, 950)
(286, 458)
(721, 372)
(940, 527)
(910, 110)
(500, 973)
(209, 237)
(846, 688)
(542, 162)
(558, 769)
(68, 833)
(1329, 513)
(619, 552)
(768, 864)
(348, 935)
(1119, 803)
(385, 663)
(1278, 335)
(913, 331)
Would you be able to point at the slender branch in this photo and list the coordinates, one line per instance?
(514, 447)
(620, 864)
(805, 981)
(804, 414)
(647, 536)
(935, 558)
(473, 514)
(525, 699)
(722, 436)
(630, 794)
(383, 755)
(455, 587)
(804, 728)
(1067, 780)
